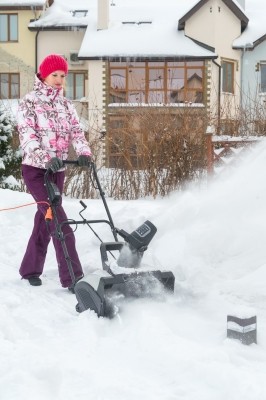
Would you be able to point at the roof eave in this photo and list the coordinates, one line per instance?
(148, 58)
(250, 46)
(57, 28)
(193, 10)
(13, 8)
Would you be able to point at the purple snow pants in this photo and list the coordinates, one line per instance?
(34, 258)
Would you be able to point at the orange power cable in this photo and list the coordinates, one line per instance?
(48, 215)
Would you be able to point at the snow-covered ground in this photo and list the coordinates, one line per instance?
(170, 348)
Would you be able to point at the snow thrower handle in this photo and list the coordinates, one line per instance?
(102, 194)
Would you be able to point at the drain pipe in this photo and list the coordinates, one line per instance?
(36, 50)
(219, 96)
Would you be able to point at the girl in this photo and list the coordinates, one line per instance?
(47, 125)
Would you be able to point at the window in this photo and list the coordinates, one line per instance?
(9, 86)
(228, 76)
(8, 27)
(263, 78)
(79, 13)
(156, 82)
(75, 89)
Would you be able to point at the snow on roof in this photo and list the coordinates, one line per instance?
(256, 29)
(20, 3)
(63, 14)
(138, 28)
(141, 28)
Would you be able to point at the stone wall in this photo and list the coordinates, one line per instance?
(10, 63)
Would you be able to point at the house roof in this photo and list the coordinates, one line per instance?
(234, 6)
(62, 15)
(255, 33)
(21, 4)
(141, 29)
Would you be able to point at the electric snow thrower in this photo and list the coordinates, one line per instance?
(120, 278)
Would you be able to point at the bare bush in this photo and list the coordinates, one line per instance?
(148, 151)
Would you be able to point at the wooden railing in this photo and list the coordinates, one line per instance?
(223, 151)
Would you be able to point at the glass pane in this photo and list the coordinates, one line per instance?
(4, 86)
(175, 78)
(13, 27)
(194, 78)
(79, 86)
(227, 69)
(194, 96)
(3, 28)
(156, 78)
(70, 86)
(136, 78)
(172, 97)
(230, 78)
(263, 77)
(14, 86)
(136, 97)
(156, 97)
(118, 96)
(118, 78)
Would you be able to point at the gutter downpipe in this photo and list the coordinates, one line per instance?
(36, 50)
(246, 47)
(219, 97)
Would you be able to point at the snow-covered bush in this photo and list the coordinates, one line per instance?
(10, 157)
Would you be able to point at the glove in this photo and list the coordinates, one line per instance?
(84, 161)
(54, 164)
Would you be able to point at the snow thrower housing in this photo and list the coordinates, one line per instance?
(124, 277)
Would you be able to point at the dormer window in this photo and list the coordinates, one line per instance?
(79, 13)
(136, 22)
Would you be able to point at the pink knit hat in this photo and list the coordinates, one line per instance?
(52, 63)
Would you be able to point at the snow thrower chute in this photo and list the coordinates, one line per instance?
(101, 290)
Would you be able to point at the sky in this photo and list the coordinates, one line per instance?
(173, 346)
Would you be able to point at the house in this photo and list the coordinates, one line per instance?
(252, 46)
(17, 46)
(217, 23)
(138, 60)
(148, 55)
(128, 56)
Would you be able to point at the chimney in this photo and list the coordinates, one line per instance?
(103, 14)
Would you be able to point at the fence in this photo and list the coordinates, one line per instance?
(223, 151)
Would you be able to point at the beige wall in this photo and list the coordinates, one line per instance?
(96, 94)
(215, 25)
(24, 49)
(60, 42)
(20, 56)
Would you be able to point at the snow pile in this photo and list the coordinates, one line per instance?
(164, 349)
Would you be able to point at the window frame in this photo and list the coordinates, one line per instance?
(10, 74)
(75, 73)
(163, 67)
(9, 28)
(227, 80)
(262, 84)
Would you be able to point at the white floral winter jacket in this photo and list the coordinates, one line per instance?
(47, 125)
